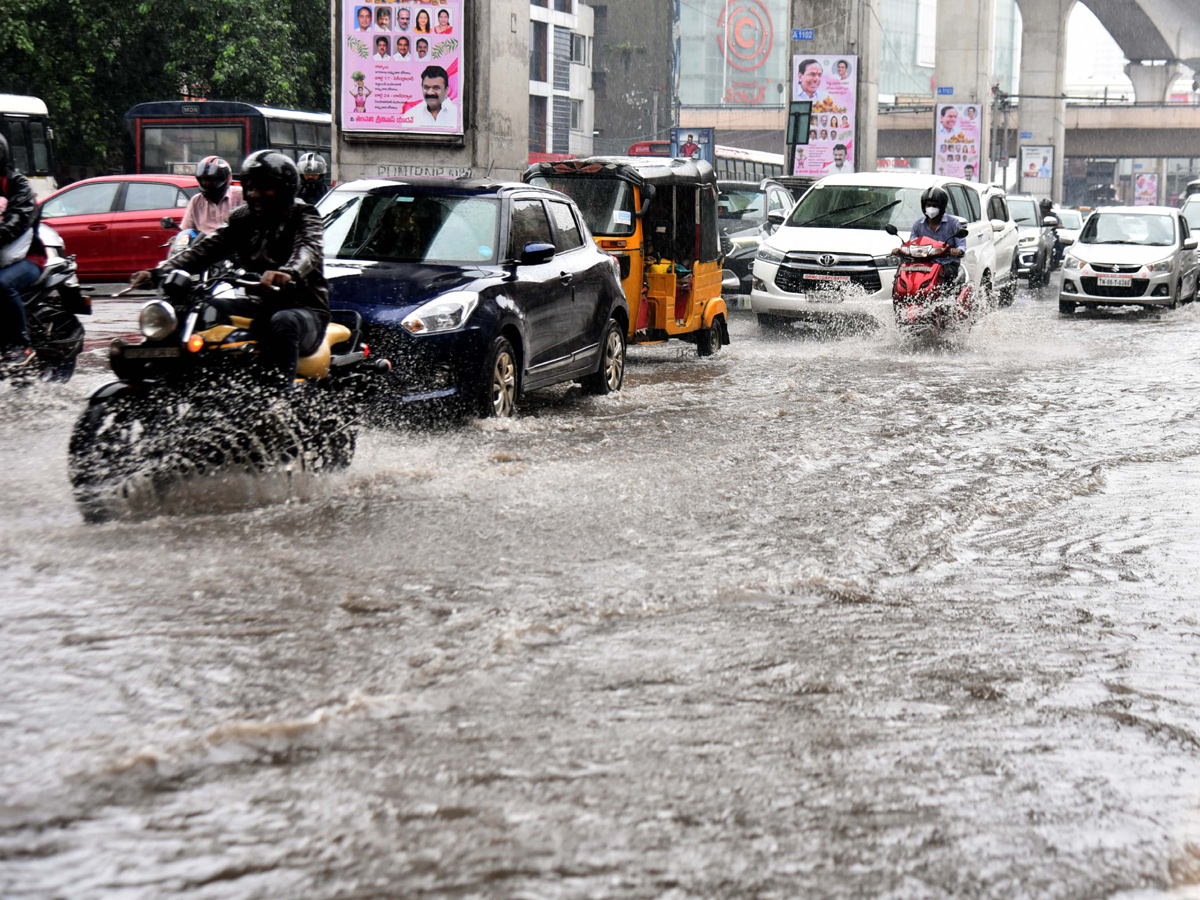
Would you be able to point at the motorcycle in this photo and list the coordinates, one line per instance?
(923, 300)
(53, 304)
(191, 400)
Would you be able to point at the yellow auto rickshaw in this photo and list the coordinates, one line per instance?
(658, 217)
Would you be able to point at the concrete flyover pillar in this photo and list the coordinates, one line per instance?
(963, 64)
(1043, 110)
(844, 27)
(1152, 82)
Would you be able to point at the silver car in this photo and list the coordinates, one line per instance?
(1131, 255)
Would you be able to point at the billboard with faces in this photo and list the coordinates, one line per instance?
(830, 83)
(957, 140)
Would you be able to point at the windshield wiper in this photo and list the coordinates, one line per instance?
(873, 212)
(831, 212)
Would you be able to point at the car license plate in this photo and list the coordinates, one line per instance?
(823, 297)
(1114, 280)
(841, 279)
(150, 352)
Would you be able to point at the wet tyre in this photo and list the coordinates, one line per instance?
(768, 323)
(610, 375)
(708, 341)
(1066, 307)
(103, 454)
(497, 392)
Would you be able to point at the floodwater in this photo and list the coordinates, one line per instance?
(817, 618)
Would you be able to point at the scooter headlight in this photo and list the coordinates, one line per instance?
(157, 320)
(448, 312)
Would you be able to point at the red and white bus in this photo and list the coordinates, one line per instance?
(732, 163)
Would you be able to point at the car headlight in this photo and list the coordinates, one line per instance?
(769, 255)
(157, 320)
(1160, 268)
(891, 261)
(1070, 263)
(448, 312)
(1029, 240)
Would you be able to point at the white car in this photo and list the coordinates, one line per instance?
(1006, 238)
(1072, 224)
(832, 255)
(1131, 255)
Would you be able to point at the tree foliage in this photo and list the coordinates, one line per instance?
(91, 61)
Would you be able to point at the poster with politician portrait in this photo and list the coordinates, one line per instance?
(830, 84)
(957, 140)
(402, 67)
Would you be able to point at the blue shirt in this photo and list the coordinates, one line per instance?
(944, 232)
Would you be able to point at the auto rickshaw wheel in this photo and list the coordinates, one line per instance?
(708, 341)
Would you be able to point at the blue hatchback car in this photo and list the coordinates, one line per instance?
(475, 290)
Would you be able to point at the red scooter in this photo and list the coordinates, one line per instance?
(922, 299)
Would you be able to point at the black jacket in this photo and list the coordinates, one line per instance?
(21, 214)
(291, 244)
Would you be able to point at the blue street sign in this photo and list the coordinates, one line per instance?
(945, 92)
(1026, 135)
(804, 34)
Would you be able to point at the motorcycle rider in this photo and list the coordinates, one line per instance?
(312, 170)
(20, 258)
(939, 226)
(277, 236)
(209, 210)
(1046, 207)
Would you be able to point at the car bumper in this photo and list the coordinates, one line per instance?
(427, 369)
(768, 299)
(1157, 290)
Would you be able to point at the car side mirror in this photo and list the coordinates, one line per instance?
(1191, 244)
(891, 229)
(776, 217)
(1050, 222)
(537, 254)
(962, 232)
(168, 223)
(998, 224)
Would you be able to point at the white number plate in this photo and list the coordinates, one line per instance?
(823, 297)
(1114, 280)
(844, 279)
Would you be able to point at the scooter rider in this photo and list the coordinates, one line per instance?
(1046, 207)
(209, 210)
(312, 172)
(939, 226)
(277, 236)
(18, 243)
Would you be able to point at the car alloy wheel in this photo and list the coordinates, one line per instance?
(610, 375)
(504, 383)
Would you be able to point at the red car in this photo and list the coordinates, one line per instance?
(113, 224)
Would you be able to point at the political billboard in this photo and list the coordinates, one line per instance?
(957, 140)
(830, 84)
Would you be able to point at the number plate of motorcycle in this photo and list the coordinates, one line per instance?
(150, 352)
(1114, 280)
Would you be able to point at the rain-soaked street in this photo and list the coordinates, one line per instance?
(817, 618)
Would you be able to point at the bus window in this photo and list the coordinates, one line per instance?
(306, 134)
(18, 154)
(165, 146)
(41, 147)
(280, 132)
(323, 135)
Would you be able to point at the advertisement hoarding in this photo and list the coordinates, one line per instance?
(830, 84)
(402, 67)
(732, 53)
(693, 143)
(1037, 161)
(1145, 190)
(957, 140)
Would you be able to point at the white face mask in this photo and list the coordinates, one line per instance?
(932, 211)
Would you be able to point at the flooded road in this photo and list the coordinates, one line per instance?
(829, 618)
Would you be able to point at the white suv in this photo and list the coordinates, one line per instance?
(831, 254)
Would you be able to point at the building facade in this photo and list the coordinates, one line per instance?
(562, 104)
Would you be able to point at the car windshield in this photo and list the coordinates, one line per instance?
(1149, 230)
(606, 203)
(1024, 212)
(746, 206)
(1191, 212)
(1071, 220)
(866, 206)
(429, 228)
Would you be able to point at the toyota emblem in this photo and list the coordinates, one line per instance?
(827, 260)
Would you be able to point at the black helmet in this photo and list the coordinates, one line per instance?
(213, 175)
(1046, 204)
(271, 169)
(935, 196)
(312, 165)
(3, 155)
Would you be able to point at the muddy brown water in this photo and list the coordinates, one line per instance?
(820, 617)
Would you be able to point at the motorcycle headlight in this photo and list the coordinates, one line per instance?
(1161, 268)
(157, 320)
(769, 255)
(447, 313)
(1070, 263)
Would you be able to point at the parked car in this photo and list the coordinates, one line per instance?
(832, 255)
(113, 224)
(1126, 255)
(742, 211)
(475, 290)
(1036, 250)
(1005, 236)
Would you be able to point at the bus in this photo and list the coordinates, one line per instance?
(732, 163)
(169, 137)
(25, 124)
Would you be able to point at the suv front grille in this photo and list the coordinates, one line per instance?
(790, 278)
